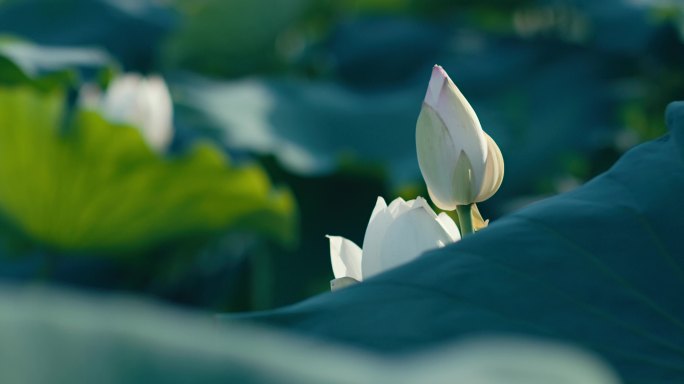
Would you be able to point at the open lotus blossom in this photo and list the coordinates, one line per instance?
(144, 102)
(460, 163)
(396, 234)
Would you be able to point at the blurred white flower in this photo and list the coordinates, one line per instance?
(460, 163)
(396, 234)
(143, 102)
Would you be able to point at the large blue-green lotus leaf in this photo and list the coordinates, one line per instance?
(131, 30)
(88, 185)
(601, 267)
(25, 62)
(47, 333)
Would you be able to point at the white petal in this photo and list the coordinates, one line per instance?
(373, 240)
(437, 156)
(494, 171)
(398, 206)
(463, 181)
(420, 202)
(437, 79)
(445, 221)
(449, 226)
(408, 236)
(464, 128)
(120, 100)
(380, 205)
(156, 113)
(345, 257)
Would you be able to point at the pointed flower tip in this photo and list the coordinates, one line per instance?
(440, 73)
(437, 80)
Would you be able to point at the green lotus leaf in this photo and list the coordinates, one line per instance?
(47, 332)
(83, 184)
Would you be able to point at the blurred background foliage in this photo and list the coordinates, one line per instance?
(291, 117)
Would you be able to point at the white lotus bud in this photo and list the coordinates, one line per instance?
(460, 163)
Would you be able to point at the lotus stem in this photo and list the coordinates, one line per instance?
(465, 218)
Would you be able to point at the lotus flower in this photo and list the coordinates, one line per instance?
(396, 234)
(144, 102)
(460, 163)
